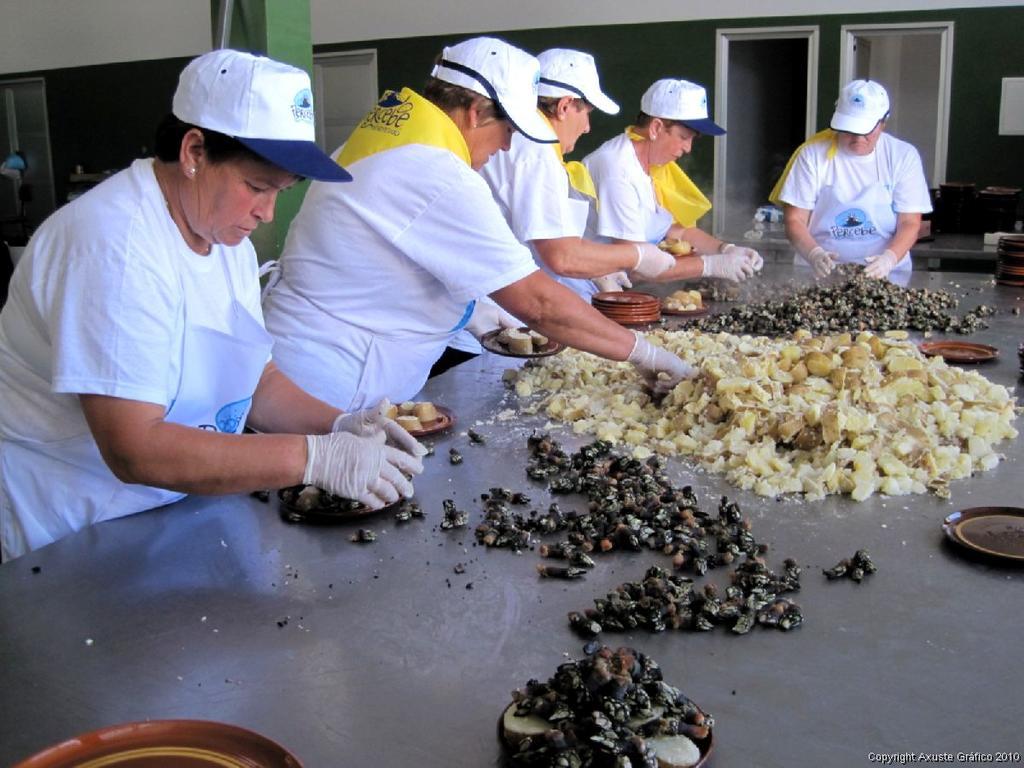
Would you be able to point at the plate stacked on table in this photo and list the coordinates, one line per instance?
(628, 307)
(1010, 260)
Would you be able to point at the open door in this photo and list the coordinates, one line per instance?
(766, 97)
(913, 62)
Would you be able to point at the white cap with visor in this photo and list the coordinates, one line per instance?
(564, 72)
(681, 101)
(505, 74)
(263, 103)
(862, 104)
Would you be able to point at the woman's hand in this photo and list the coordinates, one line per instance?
(373, 421)
(360, 468)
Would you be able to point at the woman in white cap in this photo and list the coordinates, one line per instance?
(377, 279)
(646, 197)
(853, 193)
(548, 201)
(132, 349)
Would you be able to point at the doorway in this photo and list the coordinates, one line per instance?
(345, 89)
(913, 62)
(766, 96)
(27, 196)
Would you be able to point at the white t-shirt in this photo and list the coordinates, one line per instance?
(378, 274)
(629, 210)
(894, 163)
(97, 306)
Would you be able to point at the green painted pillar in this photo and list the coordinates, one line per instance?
(280, 29)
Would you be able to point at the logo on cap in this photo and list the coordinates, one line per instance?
(302, 106)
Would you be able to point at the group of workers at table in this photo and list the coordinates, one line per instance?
(135, 344)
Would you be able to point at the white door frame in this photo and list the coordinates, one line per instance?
(847, 62)
(318, 83)
(722, 40)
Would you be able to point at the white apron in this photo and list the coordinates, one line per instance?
(54, 489)
(857, 228)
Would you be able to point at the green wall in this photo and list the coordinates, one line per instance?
(987, 48)
(103, 117)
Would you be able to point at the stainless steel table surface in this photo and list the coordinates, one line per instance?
(381, 654)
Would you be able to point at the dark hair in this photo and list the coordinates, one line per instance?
(549, 104)
(448, 97)
(219, 148)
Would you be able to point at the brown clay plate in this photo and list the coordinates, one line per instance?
(167, 744)
(489, 341)
(328, 510)
(997, 531)
(624, 298)
(445, 418)
(959, 351)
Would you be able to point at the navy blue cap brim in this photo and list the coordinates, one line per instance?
(303, 158)
(706, 127)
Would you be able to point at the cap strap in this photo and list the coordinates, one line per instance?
(560, 84)
(493, 94)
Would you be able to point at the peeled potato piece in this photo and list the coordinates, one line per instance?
(407, 407)
(409, 423)
(539, 340)
(515, 729)
(391, 412)
(674, 751)
(520, 343)
(425, 412)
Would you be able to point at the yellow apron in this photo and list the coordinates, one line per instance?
(674, 190)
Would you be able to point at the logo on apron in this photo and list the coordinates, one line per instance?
(231, 416)
(852, 223)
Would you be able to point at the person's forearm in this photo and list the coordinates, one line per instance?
(908, 228)
(141, 447)
(701, 241)
(558, 313)
(798, 233)
(280, 405)
(576, 257)
(686, 268)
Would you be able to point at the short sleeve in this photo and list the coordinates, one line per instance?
(463, 240)
(536, 198)
(910, 189)
(802, 185)
(113, 325)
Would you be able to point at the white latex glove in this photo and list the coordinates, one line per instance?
(661, 369)
(487, 317)
(616, 281)
(822, 261)
(736, 267)
(881, 265)
(651, 261)
(755, 258)
(372, 421)
(360, 468)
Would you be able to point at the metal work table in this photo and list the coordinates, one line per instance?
(380, 654)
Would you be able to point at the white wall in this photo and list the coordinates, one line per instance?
(49, 34)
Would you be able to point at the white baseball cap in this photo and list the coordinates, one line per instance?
(265, 104)
(565, 72)
(503, 73)
(682, 101)
(861, 104)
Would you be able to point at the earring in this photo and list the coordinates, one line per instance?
(192, 171)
